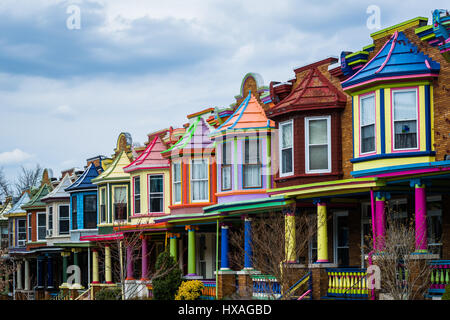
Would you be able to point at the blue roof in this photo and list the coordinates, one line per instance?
(84, 181)
(17, 206)
(398, 57)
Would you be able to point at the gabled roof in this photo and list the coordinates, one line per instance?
(115, 169)
(59, 192)
(17, 207)
(150, 158)
(84, 181)
(35, 201)
(398, 58)
(249, 115)
(196, 137)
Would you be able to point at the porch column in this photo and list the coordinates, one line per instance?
(40, 271)
(19, 275)
(144, 265)
(65, 256)
(173, 245)
(224, 262)
(50, 271)
(380, 216)
(108, 274)
(420, 216)
(322, 233)
(130, 271)
(248, 255)
(76, 252)
(27, 274)
(95, 277)
(191, 250)
(289, 229)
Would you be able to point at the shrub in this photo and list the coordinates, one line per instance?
(109, 294)
(165, 286)
(190, 290)
(446, 295)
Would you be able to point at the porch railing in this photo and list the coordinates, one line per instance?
(440, 276)
(209, 290)
(347, 283)
(265, 287)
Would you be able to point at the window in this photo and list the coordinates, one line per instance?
(29, 228)
(252, 163)
(318, 145)
(405, 119)
(199, 180)
(226, 166)
(176, 172)
(50, 218)
(22, 232)
(137, 194)
(10, 233)
(434, 225)
(41, 225)
(286, 148)
(367, 124)
(74, 213)
(103, 205)
(341, 239)
(90, 211)
(120, 203)
(63, 219)
(155, 196)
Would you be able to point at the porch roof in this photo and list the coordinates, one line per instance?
(102, 237)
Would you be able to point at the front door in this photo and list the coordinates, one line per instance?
(341, 234)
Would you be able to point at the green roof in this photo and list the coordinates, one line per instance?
(36, 202)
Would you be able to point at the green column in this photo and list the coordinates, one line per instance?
(173, 246)
(65, 256)
(191, 250)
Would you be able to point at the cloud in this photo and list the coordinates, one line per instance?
(64, 112)
(15, 156)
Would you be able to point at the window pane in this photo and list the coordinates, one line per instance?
(405, 106)
(199, 190)
(64, 227)
(63, 212)
(178, 192)
(226, 153)
(318, 157)
(286, 159)
(252, 176)
(90, 212)
(199, 170)
(226, 177)
(368, 138)
(120, 195)
(318, 131)
(137, 185)
(286, 135)
(156, 204)
(156, 184)
(367, 110)
(405, 134)
(176, 172)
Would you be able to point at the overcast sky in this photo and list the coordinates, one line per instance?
(139, 66)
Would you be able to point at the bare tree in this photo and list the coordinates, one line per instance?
(404, 274)
(28, 179)
(269, 233)
(5, 186)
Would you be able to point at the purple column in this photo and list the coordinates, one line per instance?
(144, 259)
(380, 221)
(421, 218)
(129, 263)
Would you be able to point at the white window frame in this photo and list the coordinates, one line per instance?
(207, 180)
(307, 120)
(280, 147)
(68, 219)
(137, 195)
(44, 213)
(150, 193)
(372, 95)
(416, 119)
(29, 227)
(177, 182)
(101, 190)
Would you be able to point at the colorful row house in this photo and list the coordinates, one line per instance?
(346, 142)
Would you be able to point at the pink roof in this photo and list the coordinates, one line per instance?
(150, 158)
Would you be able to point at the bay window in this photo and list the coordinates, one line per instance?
(286, 148)
(120, 203)
(63, 219)
(226, 166)
(405, 118)
(252, 163)
(156, 193)
(317, 144)
(199, 180)
(176, 174)
(367, 124)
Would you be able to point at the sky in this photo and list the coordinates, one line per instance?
(139, 66)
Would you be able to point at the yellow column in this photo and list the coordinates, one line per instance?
(289, 227)
(322, 237)
(108, 274)
(95, 278)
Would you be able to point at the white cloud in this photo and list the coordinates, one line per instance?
(64, 112)
(15, 156)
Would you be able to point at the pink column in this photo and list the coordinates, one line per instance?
(380, 221)
(144, 275)
(129, 263)
(421, 218)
